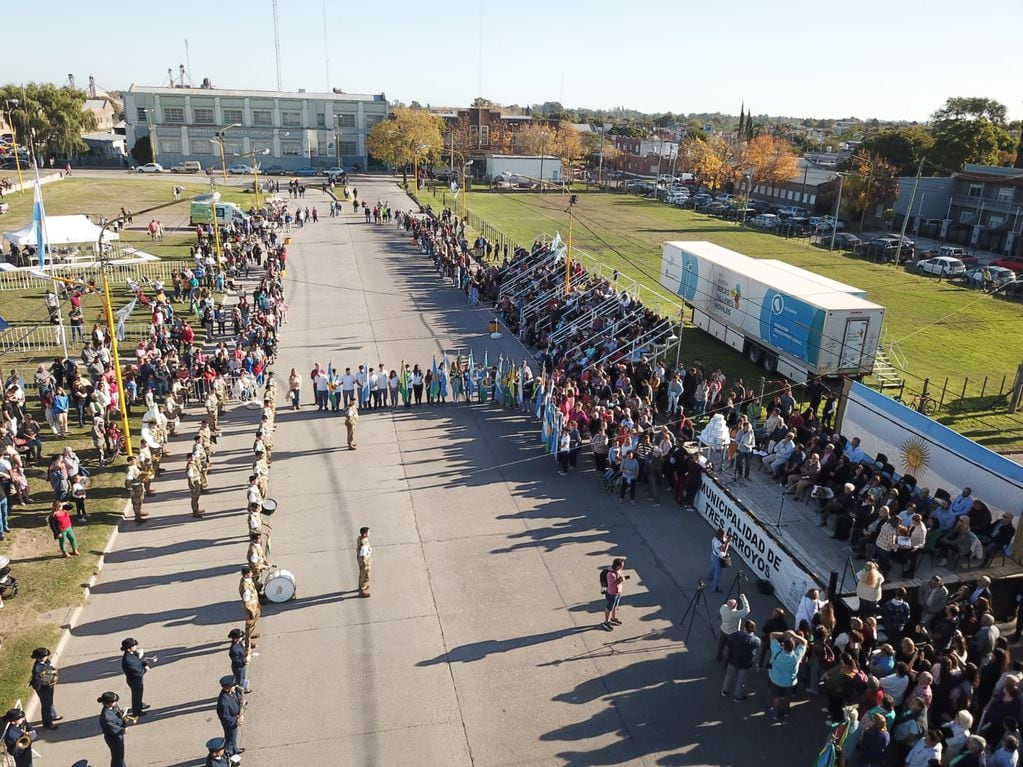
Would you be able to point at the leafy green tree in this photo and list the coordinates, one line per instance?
(903, 147)
(872, 181)
(49, 117)
(142, 151)
(970, 130)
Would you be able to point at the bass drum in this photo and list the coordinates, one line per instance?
(279, 586)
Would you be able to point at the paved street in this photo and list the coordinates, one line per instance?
(480, 644)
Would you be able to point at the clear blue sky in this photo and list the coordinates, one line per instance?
(892, 59)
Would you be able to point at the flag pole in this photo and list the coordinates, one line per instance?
(44, 246)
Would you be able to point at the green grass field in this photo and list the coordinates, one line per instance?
(97, 197)
(944, 331)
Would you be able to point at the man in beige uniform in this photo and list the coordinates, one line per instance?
(213, 412)
(351, 422)
(250, 604)
(364, 556)
(194, 477)
(262, 471)
(133, 481)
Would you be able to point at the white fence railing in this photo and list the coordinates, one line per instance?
(34, 338)
(22, 279)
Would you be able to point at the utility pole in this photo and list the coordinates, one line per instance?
(909, 212)
(1016, 399)
(838, 209)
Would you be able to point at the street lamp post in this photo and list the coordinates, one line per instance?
(10, 104)
(220, 136)
(255, 169)
(465, 191)
(337, 140)
(749, 193)
(838, 209)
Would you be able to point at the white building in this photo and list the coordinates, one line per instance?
(299, 129)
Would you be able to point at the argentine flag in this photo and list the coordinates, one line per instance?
(38, 224)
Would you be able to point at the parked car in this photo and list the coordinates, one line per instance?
(273, 170)
(1015, 263)
(149, 167)
(843, 241)
(766, 221)
(998, 275)
(308, 170)
(942, 266)
(791, 210)
(240, 170)
(335, 171)
(945, 250)
(188, 166)
(678, 198)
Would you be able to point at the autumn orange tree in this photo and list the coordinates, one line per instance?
(770, 160)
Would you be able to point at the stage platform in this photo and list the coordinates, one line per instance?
(793, 531)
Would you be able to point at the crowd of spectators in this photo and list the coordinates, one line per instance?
(182, 353)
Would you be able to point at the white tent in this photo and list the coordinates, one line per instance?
(62, 230)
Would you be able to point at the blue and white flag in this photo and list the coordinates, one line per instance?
(365, 388)
(470, 378)
(39, 224)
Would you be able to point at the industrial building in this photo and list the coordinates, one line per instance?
(290, 130)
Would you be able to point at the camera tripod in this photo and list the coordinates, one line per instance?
(699, 598)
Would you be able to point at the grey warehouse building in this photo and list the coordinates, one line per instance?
(297, 128)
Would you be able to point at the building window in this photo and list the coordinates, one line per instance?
(346, 121)
(232, 116)
(291, 148)
(349, 148)
(262, 145)
(484, 135)
(371, 121)
(140, 115)
(169, 145)
(966, 216)
(291, 119)
(813, 199)
(995, 221)
(202, 115)
(201, 146)
(174, 115)
(321, 120)
(975, 190)
(262, 117)
(233, 146)
(1005, 194)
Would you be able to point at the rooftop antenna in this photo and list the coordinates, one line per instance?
(277, 45)
(92, 87)
(170, 76)
(188, 61)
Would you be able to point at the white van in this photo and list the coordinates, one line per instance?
(227, 213)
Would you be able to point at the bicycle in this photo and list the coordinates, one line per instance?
(924, 403)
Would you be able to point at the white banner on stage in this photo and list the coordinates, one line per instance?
(752, 542)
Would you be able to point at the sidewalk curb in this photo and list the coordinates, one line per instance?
(32, 709)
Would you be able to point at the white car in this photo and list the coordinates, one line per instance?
(943, 266)
(149, 167)
(240, 170)
(999, 276)
(335, 171)
(792, 211)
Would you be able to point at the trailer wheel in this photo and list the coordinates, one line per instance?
(754, 354)
(770, 363)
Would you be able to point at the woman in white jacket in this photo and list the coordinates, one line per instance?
(868, 588)
(927, 748)
(809, 606)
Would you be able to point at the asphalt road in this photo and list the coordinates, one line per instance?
(480, 644)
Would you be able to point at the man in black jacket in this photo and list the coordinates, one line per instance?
(743, 648)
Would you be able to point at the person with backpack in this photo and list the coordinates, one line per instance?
(612, 583)
(63, 530)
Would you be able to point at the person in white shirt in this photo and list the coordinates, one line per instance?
(927, 748)
(780, 455)
(348, 387)
(321, 386)
(854, 452)
(896, 683)
(732, 612)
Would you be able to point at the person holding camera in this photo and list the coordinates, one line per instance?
(613, 594)
(719, 557)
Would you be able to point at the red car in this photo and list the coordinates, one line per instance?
(1010, 262)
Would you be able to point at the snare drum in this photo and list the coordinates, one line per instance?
(269, 506)
(279, 586)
